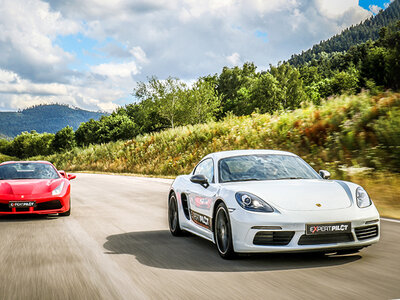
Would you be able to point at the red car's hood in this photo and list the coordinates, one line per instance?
(28, 186)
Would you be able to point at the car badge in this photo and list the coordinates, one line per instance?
(318, 204)
(22, 196)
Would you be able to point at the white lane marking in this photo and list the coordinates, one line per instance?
(390, 220)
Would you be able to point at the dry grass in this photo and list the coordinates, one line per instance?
(384, 190)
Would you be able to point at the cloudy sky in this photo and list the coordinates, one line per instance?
(90, 53)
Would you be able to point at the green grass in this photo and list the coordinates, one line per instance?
(4, 158)
(360, 131)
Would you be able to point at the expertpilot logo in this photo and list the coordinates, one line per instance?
(329, 228)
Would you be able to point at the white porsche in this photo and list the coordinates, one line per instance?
(249, 201)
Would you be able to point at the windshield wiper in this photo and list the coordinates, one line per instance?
(283, 178)
(247, 179)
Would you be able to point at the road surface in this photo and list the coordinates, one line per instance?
(116, 245)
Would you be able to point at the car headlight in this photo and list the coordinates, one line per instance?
(362, 197)
(57, 190)
(252, 202)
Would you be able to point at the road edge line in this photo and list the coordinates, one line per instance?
(390, 220)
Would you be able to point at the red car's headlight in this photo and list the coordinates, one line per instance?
(58, 190)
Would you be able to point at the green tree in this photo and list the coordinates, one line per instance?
(290, 85)
(64, 139)
(167, 95)
(202, 102)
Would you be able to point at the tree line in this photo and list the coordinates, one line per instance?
(354, 35)
(373, 65)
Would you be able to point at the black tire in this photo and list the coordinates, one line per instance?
(68, 212)
(223, 233)
(173, 216)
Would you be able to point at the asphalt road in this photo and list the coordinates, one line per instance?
(116, 245)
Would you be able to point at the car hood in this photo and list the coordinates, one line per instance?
(28, 186)
(297, 194)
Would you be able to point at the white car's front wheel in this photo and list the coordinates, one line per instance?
(173, 216)
(223, 232)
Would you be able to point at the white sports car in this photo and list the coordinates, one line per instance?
(249, 201)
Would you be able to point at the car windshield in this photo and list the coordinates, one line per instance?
(27, 171)
(264, 167)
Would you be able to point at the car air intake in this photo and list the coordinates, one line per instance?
(4, 207)
(319, 239)
(53, 204)
(273, 238)
(367, 232)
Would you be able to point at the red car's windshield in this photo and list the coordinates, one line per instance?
(29, 170)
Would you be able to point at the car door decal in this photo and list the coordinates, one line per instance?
(201, 220)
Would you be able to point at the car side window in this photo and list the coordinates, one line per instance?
(206, 168)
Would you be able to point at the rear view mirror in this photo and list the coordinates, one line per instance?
(200, 179)
(324, 174)
(63, 174)
(71, 176)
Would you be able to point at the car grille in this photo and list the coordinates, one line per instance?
(4, 207)
(273, 238)
(367, 232)
(53, 204)
(319, 239)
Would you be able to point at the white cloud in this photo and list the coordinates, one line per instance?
(139, 54)
(234, 59)
(28, 29)
(375, 9)
(334, 9)
(180, 38)
(116, 70)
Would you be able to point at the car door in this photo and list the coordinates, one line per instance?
(202, 198)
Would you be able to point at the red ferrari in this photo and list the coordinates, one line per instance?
(34, 187)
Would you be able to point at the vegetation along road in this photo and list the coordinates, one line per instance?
(116, 245)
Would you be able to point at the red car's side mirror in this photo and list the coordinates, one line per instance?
(63, 174)
(71, 176)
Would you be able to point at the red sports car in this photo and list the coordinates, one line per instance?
(34, 187)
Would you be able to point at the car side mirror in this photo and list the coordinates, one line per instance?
(71, 176)
(63, 174)
(200, 179)
(324, 174)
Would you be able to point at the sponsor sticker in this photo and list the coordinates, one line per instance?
(200, 219)
(313, 229)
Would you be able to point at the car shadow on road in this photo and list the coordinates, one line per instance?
(27, 218)
(160, 249)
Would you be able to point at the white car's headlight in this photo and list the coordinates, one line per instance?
(362, 197)
(252, 202)
(57, 190)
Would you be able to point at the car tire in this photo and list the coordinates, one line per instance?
(68, 212)
(173, 216)
(223, 233)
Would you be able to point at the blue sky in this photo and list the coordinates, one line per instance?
(92, 53)
(366, 3)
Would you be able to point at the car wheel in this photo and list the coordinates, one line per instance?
(223, 233)
(68, 212)
(173, 216)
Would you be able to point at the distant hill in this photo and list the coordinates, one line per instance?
(44, 118)
(367, 30)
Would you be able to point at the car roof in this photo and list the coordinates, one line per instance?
(231, 153)
(26, 161)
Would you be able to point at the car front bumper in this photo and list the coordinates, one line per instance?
(44, 205)
(245, 225)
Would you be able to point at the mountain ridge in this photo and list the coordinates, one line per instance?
(369, 29)
(44, 118)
